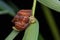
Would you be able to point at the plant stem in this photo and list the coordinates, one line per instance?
(12, 35)
(51, 22)
(33, 8)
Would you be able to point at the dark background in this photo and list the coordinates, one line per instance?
(6, 24)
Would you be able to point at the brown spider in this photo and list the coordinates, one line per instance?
(21, 20)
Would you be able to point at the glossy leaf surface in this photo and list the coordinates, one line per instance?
(32, 32)
(53, 4)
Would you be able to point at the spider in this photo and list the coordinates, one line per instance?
(22, 19)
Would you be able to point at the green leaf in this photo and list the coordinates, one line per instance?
(32, 32)
(51, 22)
(4, 6)
(53, 4)
(12, 35)
(12, 5)
(3, 12)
